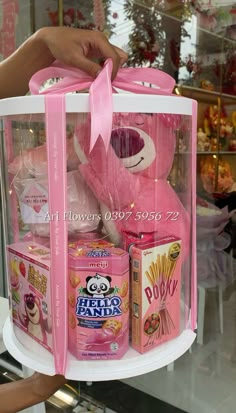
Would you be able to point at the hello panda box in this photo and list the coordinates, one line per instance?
(98, 301)
(28, 275)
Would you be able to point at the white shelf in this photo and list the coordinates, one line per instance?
(34, 356)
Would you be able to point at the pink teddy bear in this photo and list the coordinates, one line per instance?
(130, 180)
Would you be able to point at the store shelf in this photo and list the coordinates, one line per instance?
(217, 153)
(203, 95)
(34, 356)
(174, 11)
(207, 153)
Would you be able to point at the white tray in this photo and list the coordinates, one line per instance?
(4, 313)
(34, 356)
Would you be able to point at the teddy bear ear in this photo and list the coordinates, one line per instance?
(170, 120)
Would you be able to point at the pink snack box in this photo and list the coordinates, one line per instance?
(156, 287)
(98, 301)
(28, 273)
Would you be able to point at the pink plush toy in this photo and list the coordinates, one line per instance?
(33, 162)
(130, 180)
(30, 181)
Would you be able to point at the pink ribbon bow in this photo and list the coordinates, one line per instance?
(101, 88)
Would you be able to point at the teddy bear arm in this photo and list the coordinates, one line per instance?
(115, 188)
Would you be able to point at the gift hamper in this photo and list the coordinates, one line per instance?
(100, 241)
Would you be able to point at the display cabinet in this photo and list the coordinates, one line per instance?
(216, 139)
(211, 81)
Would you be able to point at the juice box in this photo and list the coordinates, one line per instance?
(155, 292)
(98, 301)
(28, 275)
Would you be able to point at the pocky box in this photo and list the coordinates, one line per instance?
(28, 273)
(98, 301)
(156, 288)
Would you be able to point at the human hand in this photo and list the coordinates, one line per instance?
(44, 386)
(79, 48)
(29, 391)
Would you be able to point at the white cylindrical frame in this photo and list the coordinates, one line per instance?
(121, 103)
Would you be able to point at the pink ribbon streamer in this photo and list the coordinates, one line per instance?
(57, 188)
(101, 88)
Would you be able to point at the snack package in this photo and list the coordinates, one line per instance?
(28, 271)
(155, 292)
(98, 301)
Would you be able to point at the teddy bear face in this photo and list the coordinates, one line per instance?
(145, 143)
(134, 147)
(32, 308)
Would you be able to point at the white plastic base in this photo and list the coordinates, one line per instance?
(34, 356)
(4, 313)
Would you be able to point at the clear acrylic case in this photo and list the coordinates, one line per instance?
(101, 243)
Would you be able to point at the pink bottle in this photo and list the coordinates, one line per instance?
(98, 301)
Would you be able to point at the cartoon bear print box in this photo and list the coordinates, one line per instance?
(28, 275)
(98, 301)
